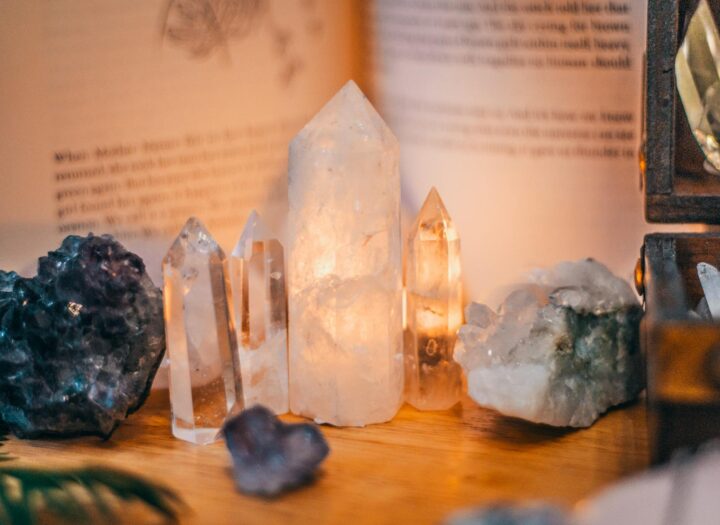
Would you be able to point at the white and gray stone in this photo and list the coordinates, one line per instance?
(561, 350)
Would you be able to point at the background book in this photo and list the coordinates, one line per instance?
(128, 117)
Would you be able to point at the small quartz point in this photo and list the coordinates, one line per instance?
(269, 456)
(257, 274)
(710, 282)
(433, 380)
(697, 71)
(205, 383)
(344, 266)
(561, 350)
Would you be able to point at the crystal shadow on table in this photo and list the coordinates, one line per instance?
(487, 423)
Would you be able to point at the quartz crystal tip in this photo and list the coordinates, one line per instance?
(434, 218)
(254, 231)
(346, 120)
(269, 456)
(193, 237)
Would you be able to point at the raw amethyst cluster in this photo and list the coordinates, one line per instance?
(80, 342)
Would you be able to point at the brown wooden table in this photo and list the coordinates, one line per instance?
(415, 469)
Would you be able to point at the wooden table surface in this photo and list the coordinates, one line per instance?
(416, 469)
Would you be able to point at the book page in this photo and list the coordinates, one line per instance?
(129, 117)
(526, 115)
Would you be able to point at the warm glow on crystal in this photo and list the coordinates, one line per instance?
(697, 71)
(433, 381)
(344, 254)
(257, 273)
(204, 379)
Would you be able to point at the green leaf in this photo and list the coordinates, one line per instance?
(25, 492)
(4, 456)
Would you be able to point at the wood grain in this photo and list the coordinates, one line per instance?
(415, 469)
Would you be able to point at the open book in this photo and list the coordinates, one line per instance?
(126, 118)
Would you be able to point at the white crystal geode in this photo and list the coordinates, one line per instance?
(561, 350)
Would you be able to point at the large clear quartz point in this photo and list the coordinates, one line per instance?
(257, 274)
(433, 380)
(205, 381)
(697, 71)
(344, 271)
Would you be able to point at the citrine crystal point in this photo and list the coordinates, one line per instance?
(205, 385)
(344, 271)
(257, 274)
(697, 71)
(433, 381)
(432, 203)
(433, 220)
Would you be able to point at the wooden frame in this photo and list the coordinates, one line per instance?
(683, 353)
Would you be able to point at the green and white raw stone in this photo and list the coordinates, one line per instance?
(561, 350)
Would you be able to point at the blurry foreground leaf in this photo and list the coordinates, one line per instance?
(81, 495)
(4, 456)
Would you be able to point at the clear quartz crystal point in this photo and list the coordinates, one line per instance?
(344, 271)
(433, 380)
(697, 71)
(257, 274)
(205, 382)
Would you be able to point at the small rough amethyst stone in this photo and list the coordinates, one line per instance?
(80, 342)
(269, 456)
(538, 514)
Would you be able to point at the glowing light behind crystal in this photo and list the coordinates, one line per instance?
(345, 324)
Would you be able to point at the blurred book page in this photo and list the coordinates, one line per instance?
(128, 117)
(525, 114)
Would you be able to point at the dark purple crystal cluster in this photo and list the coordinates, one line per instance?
(80, 342)
(269, 456)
